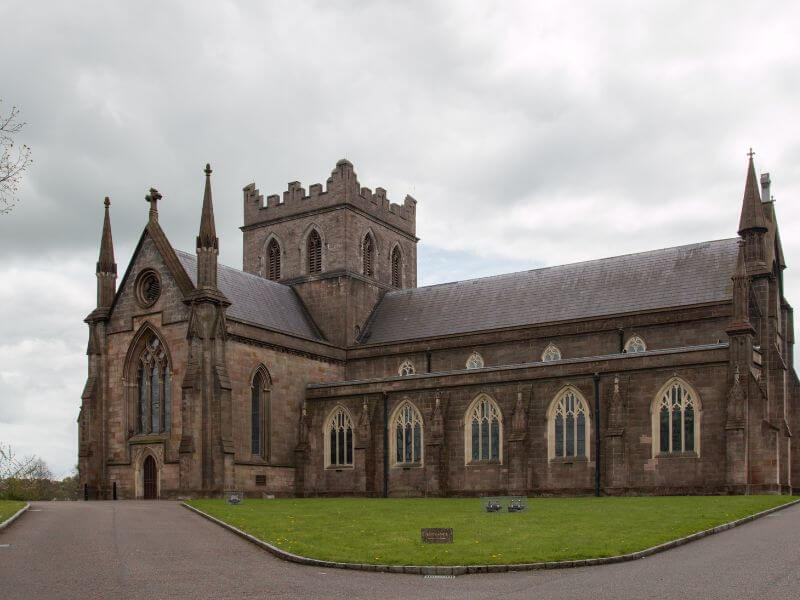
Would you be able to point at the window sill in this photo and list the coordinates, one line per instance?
(339, 468)
(677, 455)
(568, 460)
(415, 465)
(484, 463)
(147, 438)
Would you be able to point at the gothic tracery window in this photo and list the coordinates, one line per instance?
(154, 389)
(397, 265)
(675, 419)
(273, 260)
(339, 439)
(551, 353)
(407, 423)
(475, 361)
(635, 344)
(568, 425)
(368, 256)
(406, 368)
(314, 252)
(483, 431)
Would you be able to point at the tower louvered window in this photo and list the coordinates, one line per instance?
(396, 266)
(368, 256)
(273, 260)
(314, 252)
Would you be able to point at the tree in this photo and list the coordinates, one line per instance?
(13, 160)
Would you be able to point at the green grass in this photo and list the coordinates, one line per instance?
(387, 531)
(8, 508)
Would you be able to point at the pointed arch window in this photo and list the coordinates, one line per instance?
(483, 431)
(154, 388)
(407, 438)
(551, 353)
(475, 361)
(368, 256)
(635, 344)
(260, 413)
(397, 268)
(273, 260)
(568, 425)
(339, 439)
(676, 419)
(406, 368)
(314, 252)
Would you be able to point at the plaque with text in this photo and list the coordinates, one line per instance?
(437, 535)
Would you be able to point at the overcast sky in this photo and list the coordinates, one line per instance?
(530, 135)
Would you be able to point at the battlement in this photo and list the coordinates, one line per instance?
(341, 188)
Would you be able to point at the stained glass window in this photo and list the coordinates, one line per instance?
(570, 425)
(408, 438)
(339, 438)
(635, 344)
(406, 368)
(486, 428)
(475, 361)
(551, 353)
(676, 425)
(154, 383)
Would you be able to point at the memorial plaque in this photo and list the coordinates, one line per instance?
(437, 535)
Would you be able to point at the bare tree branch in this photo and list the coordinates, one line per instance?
(13, 160)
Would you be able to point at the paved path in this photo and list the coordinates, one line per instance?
(161, 550)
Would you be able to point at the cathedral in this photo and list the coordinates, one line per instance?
(321, 368)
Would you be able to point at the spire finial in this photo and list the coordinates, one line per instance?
(751, 154)
(107, 202)
(207, 170)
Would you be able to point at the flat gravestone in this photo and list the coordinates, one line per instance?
(437, 535)
(234, 496)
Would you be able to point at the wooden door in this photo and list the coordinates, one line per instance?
(150, 482)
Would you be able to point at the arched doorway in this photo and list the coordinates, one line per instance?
(150, 479)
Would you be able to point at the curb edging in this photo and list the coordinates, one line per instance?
(15, 516)
(470, 569)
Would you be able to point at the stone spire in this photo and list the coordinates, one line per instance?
(741, 290)
(106, 267)
(207, 240)
(752, 217)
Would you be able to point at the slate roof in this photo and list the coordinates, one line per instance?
(670, 277)
(257, 300)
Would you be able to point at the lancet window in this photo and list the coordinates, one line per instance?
(259, 413)
(339, 439)
(273, 260)
(314, 252)
(368, 256)
(568, 425)
(483, 431)
(154, 389)
(397, 266)
(407, 442)
(676, 419)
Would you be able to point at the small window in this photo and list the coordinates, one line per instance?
(551, 353)
(635, 344)
(339, 439)
(314, 251)
(273, 260)
(261, 480)
(407, 439)
(406, 368)
(368, 256)
(475, 361)
(397, 265)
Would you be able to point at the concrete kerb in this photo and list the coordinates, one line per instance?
(470, 569)
(14, 517)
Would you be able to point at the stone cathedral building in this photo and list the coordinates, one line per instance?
(322, 369)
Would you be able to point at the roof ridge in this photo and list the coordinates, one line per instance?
(579, 262)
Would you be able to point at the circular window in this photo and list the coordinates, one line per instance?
(148, 288)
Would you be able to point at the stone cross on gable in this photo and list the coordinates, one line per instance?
(153, 197)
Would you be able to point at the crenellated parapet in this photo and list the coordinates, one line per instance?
(341, 188)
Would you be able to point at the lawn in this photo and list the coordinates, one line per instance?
(387, 531)
(8, 508)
